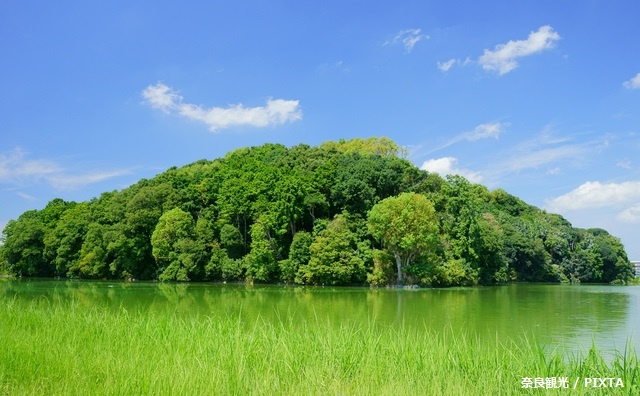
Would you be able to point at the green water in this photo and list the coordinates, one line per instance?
(566, 316)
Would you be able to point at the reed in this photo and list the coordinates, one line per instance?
(57, 347)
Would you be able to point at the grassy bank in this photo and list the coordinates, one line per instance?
(50, 347)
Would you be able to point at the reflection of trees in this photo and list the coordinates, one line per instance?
(551, 313)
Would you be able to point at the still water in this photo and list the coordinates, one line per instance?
(570, 317)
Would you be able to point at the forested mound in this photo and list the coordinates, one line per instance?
(347, 212)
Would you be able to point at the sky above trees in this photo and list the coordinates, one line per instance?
(539, 98)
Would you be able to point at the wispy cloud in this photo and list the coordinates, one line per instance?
(503, 58)
(408, 38)
(633, 83)
(26, 196)
(592, 195)
(17, 170)
(545, 156)
(69, 182)
(276, 111)
(338, 65)
(14, 166)
(547, 149)
(446, 66)
(482, 131)
(624, 164)
(449, 166)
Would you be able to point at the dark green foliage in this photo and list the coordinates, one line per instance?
(299, 255)
(231, 240)
(298, 215)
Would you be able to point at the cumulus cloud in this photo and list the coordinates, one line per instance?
(448, 166)
(503, 58)
(17, 170)
(276, 111)
(408, 38)
(634, 83)
(592, 195)
(630, 215)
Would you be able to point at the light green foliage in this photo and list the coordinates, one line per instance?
(92, 260)
(451, 273)
(175, 249)
(217, 260)
(382, 272)
(382, 146)
(299, 255)
(336, 256)
(261, 262)
(407, 227)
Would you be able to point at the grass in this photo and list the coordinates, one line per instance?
(64, 348)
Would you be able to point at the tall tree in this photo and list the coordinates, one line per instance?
(407, 227)
(175, 248)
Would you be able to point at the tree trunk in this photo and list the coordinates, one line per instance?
(399, 267)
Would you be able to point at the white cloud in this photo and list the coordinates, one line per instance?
(503, 58)
(482, 131)
(26, 196)
(276, 111)
(546, 149)
(634, 83)
(446, 66)
(553, 171)
(539, 157)
(14, 166)
(624, 164)
(630, 215)
(591, 195)
(408, 38)
(17, 170)
(70, 182)
(448, 166)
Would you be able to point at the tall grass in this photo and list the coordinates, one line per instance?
(63, 348)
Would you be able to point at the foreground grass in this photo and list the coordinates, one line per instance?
(49, 347)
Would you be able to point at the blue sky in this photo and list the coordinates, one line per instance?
(540, 98)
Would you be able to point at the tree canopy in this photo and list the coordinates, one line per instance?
(339, 213)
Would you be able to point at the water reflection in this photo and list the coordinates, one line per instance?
(571, 316)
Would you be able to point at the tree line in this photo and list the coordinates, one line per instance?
(341, 213)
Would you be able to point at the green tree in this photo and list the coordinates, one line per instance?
(337, 257)
(299, 255)
(231, 240)
(261, 262)
(407, 227)
(175, 249)
(23, 246)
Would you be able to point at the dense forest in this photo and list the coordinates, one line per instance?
(341, 213)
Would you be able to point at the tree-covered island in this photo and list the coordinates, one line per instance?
(341, 213)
